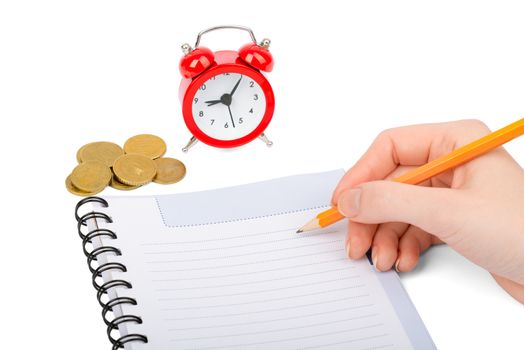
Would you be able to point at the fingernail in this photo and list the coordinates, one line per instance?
(349, 202)
(396, 264)
(347, 249)
(374, 258)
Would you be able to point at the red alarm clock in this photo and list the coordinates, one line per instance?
(226, 99)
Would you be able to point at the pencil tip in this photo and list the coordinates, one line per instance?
(311, 225)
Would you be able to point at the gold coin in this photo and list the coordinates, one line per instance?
(134, 169)
(169, 171)
(105, 152)
(71, 188)
(79, 153)
(121, 186)
(147, 145)
(91, 176)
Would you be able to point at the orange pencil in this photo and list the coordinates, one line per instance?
(457, 157)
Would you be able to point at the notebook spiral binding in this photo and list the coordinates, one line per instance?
(97, 269)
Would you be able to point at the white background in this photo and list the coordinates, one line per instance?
(75, 72)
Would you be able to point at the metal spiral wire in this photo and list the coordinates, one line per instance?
(98, 269)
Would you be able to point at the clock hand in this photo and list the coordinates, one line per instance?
(225, 98)
(213, 102)
(231, 115)
(235, 87)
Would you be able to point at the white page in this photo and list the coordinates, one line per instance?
(248, 283)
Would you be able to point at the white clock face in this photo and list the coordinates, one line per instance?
(229, 106)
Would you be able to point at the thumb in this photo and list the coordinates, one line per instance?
(435, 210)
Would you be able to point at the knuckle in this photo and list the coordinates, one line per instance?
(384, 135)
(477, 125)
(466, 131)
(373, 198)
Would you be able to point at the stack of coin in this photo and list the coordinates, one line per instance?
(139, 162)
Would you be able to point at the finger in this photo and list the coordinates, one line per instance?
(409, 145)
(432, 209)
(385, 245)
(441, 180)
(359, 239)
(403, 169)
(411, 245)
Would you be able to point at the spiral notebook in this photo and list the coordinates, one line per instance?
(225, 269)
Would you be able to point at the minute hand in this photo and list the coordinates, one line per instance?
(231, 115)
(235, 87)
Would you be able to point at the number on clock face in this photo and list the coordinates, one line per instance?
(229, 106)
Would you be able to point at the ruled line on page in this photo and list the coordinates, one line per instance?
(300, 348)
(243, 264)
(241, 255)
(294, 238)
(260, 291)
(243, 246)
(294, 338)
(351, 341)
(350, 266)
(375, 347)
(269, 260)
(244, 235)
(275, 320)
(295, 296)
(277, 309)
(253, 282)
(281, 330)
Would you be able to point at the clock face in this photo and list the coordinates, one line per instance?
(228, 106)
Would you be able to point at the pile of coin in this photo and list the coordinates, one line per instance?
(139, 162)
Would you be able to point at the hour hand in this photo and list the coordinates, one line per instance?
(213, 102)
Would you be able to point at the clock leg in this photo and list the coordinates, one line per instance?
(264, 138)
(190, 144)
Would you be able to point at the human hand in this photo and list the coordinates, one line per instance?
(476, 208)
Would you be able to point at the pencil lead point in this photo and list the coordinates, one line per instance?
(300, 231)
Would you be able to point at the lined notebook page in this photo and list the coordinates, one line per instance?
(248, 283)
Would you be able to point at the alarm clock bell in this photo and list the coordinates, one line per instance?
(226, 99)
